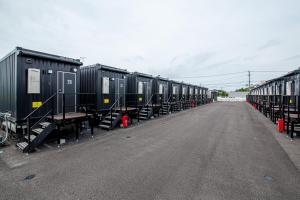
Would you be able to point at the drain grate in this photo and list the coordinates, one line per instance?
(29, 177)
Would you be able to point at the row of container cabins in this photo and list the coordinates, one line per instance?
(278, 99)
(43, 93)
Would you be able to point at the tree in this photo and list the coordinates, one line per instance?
(242, 90)
(222, 93)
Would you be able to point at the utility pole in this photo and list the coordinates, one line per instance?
(249, 76)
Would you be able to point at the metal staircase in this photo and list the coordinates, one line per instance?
(165, 109)
(110, 121)
(37, 133)
(145, 113)
(147, 110)
(37, 136)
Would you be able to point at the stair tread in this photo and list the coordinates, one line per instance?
(104, 126)
(45, 124)
(106, 121)
(32, 137)
(22, 145)
(143, 118)
(108, 117)
(37, 130)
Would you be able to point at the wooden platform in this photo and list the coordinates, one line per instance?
(292, 116)
(124, 109)
(69, 116)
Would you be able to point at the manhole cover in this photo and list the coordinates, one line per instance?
(29, 177)
(269, 178)
(128, 136)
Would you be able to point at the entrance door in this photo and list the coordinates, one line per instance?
(120, 92)
(165, 93)
(66, 85)
(148, 89)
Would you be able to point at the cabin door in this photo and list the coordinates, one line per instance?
(120, 92)
(165, 93)
(148, 91)
(66, 88)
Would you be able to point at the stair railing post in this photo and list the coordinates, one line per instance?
(64, 107)
(288, 119)
(137, 108)
(152, 106)
(111, 117)
(28, 133)
(52, 110)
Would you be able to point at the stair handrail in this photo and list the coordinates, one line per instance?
(35, 110)
(147, 103)
(169, 98)
(110, 111)
(27, 118)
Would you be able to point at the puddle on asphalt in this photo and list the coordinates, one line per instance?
(268, 178)
(29, 177)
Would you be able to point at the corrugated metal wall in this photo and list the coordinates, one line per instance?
(8, 97)
(48, 84)
(89, 84)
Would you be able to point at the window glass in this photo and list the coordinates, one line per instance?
(105, 85)
(140, 87)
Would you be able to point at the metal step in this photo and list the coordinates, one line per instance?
(38, 130)
(45, 124)
(32, 137)
(22, 145)
(143, 114)
(143, 118)
(109, 118)
(106, 121)
(104, 126)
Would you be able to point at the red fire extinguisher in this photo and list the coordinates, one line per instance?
(281, 125)
(125, 121)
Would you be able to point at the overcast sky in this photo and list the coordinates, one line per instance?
(175, 39)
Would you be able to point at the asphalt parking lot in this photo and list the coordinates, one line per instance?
(216, 151)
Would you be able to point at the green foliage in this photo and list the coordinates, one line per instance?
(242, 90)
(222, 93)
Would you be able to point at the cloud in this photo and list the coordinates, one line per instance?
(171, 38)
(269, 44)
(295, 57)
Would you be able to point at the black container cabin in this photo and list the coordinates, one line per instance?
(184, 96)
(191, 93)
(174, 91)
(205, 95)
(108, 83)
(28, 78)
(198, 95)
(140, 90)
(161, 90)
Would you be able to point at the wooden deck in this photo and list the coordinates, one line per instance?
(124, 109)
(69, 116)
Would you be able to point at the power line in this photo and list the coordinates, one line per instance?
(233, 73)
(269, 71)
(213, 75)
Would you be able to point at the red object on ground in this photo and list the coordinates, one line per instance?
(280, 125)
(193, 104)
(255, 106)
(125, 121)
